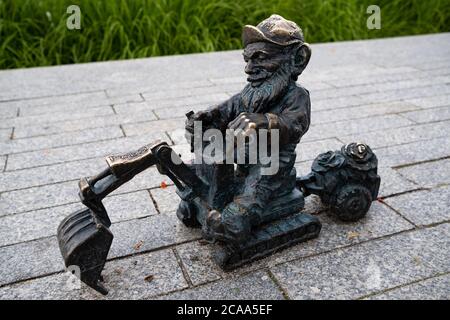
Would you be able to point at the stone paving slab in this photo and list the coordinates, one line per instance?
(161, 107)
(5, 134)
(397, 136)
(82, 124)
(365, 111)
(434, 65)
(233, 84)
(81, 151)
(180, 111)
(343, 71)
(56, 117)
(28, 260)
(337, 103)
(92, 106)
(66, 171)
(405, 94)
(141, 108)
(166, 96)
(74, 102)
(141, 277)
(70, 117)
(2, 163)
(423, 207)
(150, 233)
(6, 113)
(440, 100)
(166, 199)
(414, 152)
(38, 197)
(429, 174)
(436, 288)
(36, 224)
(424, 116)
(256, 286)
(81, 98)
(310, 150)
(368, 268)
(394, 74)
(394, 183)
(43, 289)
(355, 126)
(138, 277)
(21, 262)
(87, 106)
(150, 87)
(60, 140)
(379, 87)
(169, 125)
(42, 223)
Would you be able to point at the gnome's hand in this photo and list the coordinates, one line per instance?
(202, 116)
(248, 122)
(205, 117)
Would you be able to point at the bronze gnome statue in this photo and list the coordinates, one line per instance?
(276, 54)
(242, 188)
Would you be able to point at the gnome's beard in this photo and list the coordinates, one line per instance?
(256, 99)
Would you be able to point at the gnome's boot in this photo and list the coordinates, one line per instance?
(233, 225)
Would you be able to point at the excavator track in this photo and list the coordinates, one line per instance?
(268, 239)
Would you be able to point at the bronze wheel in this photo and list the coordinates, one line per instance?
(352, 202)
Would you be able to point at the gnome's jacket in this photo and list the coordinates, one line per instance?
(292, 111)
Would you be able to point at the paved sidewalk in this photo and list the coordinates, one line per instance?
(57, 124)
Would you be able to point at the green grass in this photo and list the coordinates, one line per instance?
(34, 33)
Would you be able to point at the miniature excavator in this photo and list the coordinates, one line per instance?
(346, 181)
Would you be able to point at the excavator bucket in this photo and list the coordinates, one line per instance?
(84, 241)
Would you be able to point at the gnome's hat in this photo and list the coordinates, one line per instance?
(274, 29)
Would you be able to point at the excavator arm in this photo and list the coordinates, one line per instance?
(84, 236)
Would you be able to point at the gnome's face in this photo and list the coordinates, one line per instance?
(269, 72)
(276, 54)
(263, 61)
